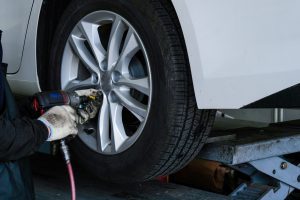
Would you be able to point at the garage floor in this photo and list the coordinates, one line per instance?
(51, 182)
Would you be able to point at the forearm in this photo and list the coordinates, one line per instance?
(20, 138)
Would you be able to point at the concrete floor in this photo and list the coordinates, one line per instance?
(51, 182)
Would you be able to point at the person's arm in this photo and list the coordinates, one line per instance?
(20, 138)
(25, 107)
(23, 136)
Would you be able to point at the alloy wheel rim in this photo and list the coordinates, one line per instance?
(105, 52)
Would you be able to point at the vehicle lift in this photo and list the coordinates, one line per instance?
(261, 154)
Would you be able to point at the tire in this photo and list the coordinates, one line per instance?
(175, 130)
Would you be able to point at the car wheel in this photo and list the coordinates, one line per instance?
(132, 51)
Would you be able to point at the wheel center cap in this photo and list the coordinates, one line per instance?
(106, 82)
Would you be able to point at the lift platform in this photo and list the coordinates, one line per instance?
(260, 154)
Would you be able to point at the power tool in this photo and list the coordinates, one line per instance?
(86, 107)
(43, 101)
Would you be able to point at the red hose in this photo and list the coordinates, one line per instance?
(72, 181)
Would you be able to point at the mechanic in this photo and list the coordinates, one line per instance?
(22, 136)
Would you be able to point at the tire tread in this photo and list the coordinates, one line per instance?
(183, 145)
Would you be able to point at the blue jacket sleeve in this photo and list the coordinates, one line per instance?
(20, 137)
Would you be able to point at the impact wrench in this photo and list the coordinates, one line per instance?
(82, 104)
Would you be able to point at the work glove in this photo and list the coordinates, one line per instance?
(60, 121)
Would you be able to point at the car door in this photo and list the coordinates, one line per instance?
(14, 16)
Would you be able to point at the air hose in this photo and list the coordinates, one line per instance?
(66, 154)
(86, 105)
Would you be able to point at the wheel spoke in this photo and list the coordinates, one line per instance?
(90, 32)
(69, 66)
(134, 106)
(103, 139)
(118, 136)
(141, 84)
(78, 84)
(131, 47)
(115, 40)
(83, 53)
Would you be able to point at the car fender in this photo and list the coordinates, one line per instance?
(14, 16)
(240, 51)
(26, 82)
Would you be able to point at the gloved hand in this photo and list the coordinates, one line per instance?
(60, 121)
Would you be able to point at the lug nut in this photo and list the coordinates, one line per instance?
(116, 76)
(283, 165)
(96, 78)
(89, 131)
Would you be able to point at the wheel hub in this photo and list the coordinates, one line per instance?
(106, 82)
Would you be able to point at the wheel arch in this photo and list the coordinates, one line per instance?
(50, 14)
(190, 38)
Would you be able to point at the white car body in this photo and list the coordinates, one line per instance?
(239, 51)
